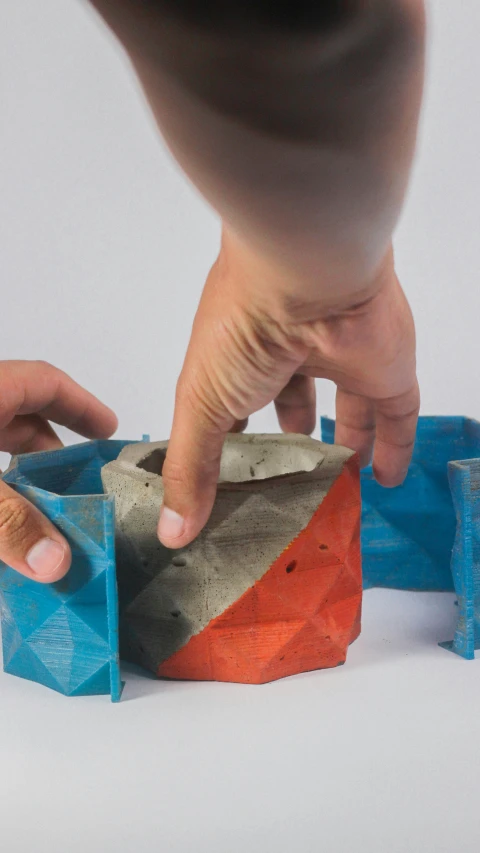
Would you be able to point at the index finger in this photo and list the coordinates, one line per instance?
(36, 387)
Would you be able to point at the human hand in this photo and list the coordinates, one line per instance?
(255, 340)
(31, 394)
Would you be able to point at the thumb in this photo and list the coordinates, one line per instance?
(29, 543)
(191, 468)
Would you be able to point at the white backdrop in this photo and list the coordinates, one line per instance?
(103, 251)
(104, 246)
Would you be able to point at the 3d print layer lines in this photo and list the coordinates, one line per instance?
(425, 534)
(65, 635)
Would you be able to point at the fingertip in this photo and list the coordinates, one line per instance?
(171, 528)
(113, 421)
(98, 423)
(49, 560)
(389, 478)
(175, 531)
(391, 463)
(110, 425)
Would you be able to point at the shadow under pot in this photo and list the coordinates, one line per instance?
(272, 585)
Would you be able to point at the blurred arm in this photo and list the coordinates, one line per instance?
(302, 143)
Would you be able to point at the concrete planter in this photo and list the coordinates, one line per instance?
(271, 587)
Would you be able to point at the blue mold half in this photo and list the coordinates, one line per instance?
(408, 533)
(464, 479)
(65, 635)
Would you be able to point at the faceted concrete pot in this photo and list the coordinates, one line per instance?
(271, 587)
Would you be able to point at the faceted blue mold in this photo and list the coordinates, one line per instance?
(65, 635)
(464, 478)
(408, 533)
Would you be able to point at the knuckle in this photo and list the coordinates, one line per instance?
(398, 417)
(174, 472)
(202, 400)
(50, 371)
(183, 390)
(6, 413)
(398, 443)
(44, 365)
(178, 481)
(10, 400)
(14, 519)
(367, 425)
(184, 479)
(191, 393)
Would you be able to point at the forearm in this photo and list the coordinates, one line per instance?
(303, 144)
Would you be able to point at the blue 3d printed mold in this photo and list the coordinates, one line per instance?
(425, 534)
(65, 635)
(464, 479)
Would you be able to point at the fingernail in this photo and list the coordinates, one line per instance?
(45, 557)
(171, 524)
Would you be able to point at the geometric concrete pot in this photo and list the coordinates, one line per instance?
(272, 585)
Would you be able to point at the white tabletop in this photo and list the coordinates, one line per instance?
(378, 755)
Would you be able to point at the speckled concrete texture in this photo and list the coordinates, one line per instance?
(269, 488)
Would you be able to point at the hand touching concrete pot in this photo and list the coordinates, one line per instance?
(271, 586)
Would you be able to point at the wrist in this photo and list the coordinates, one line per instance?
(290, 292)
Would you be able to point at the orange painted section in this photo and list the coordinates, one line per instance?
(301, 615)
